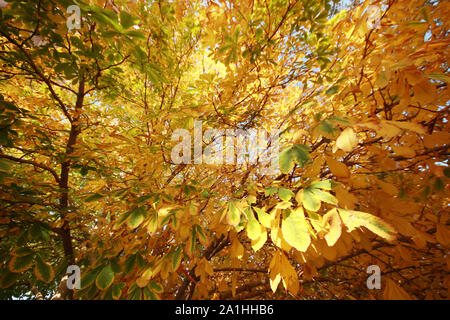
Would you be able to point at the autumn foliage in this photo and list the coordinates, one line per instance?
(359, 93)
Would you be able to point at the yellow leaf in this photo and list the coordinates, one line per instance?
(152, 224)
(253, 229)
(295, 230)
(234, 214)
(404, 253)
(207, 267)
(415, 127)
(332, 217)
(345, 198)
(393, 291)
(142, 282)
(329, 253)
(443, 235)
(354, 219)
(275, 281)
(404, 151)
(388, 188)
(275, 234)
(413, 76)
(424, 92)
(436, 139)
(289, 275)
(237, 250)
(222, 287)
(164, 270)
(283, 205)
(152, 271)
(347, 140)
(299, 197)
(233, 284)
(274, 271)
(338, 168)
(164, 211)
(257, 244)
(263, 217)
(388, 130)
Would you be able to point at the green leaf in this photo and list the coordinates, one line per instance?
(324, 196)
(193, 239)
(38, 233)
(270, 191)
(4, 165)
(136, 34)
(89, 278)
(140, 261)
(295, 230)
(241, 225)
(324, 184)
(310, 201)
(4, 137)
(139, 53)
(105, 278)
(94, 197)
(20, 252)
(115, 265)
(285, 194)
(136, 217)
(447, 172)
(20, 264)
(134, 293)
(234, 215)
(332, 90)
(130, 263)
(296, 154)
(176, 258)
(205, 194)
(127, 20)
(327, 128)
(116, 290)
(149, 294)
(8, 279)
(84, 171)
(155, 286)
(9, 105)
(43, 271)
(108, 294)
(339, 119)
(304, 105)
(439, 185)
(201, 235)
(123, 218)
(92, 292)
(105, 17)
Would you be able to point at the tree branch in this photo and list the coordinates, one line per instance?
(36, 164)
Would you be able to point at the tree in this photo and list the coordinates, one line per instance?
(360, 100)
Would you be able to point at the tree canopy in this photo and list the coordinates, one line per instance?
(357, 91)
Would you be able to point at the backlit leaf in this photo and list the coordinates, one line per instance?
(296, 154)
(347, 140)
(354, 219)
(295, 230)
